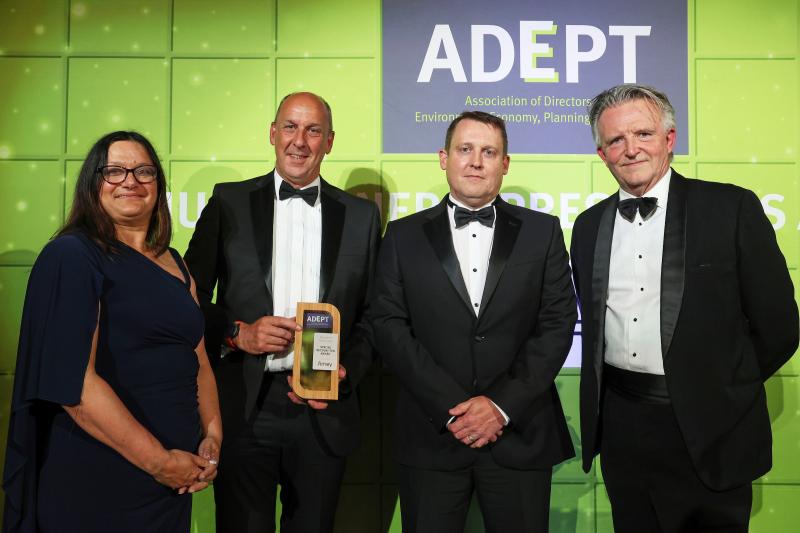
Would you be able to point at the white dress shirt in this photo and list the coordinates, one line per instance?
(296, 256)
(633, 306)
(473, 245)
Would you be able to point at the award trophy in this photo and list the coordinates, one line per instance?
(315, 375)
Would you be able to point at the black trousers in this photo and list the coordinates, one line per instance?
(649, 475)
(436, 501)
(278, 445)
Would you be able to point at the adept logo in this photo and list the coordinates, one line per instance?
(534, 64)
(317, 320)
(529, 51)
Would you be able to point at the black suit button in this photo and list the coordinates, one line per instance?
(479, 338)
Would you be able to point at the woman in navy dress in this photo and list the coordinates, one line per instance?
(115, 419)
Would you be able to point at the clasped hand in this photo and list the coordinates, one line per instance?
(478, 422)
(187, 472)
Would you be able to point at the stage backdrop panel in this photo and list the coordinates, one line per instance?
(202, 79)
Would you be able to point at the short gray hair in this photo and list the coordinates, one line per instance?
(628, 92)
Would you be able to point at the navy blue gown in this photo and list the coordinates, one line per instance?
(57, 477)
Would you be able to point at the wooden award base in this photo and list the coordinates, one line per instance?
(307, 382)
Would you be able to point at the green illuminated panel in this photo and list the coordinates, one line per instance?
(211, 27)
(32, 119)
(32, 195)
(349, 86)
(746, 28)
(191, 185)
(117, 94)
(6, 388)
(411, 187)
(603, 520)
(559, 189)
(569, 392)
(124, 27)
(13, 282)
(328, 26)
(203, 511)
(783, 394)
(572, 507)
(747, 109)
(775, 509)
(71, 178)
(777, 184)
(390, 510)
(358, 179)
(33, 26)
(222, 108)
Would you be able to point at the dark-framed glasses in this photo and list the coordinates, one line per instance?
(115, 174)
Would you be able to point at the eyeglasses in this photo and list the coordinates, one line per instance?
(116, 175)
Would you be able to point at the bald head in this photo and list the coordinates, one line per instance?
(305, 94)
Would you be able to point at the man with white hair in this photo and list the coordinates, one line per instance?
(687, 308)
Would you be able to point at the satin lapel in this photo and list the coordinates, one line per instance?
(262, 212)
(506, 230)
(437, 229)
(332, 228)
(600, 268)
(673, 260)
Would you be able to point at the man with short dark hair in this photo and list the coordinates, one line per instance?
(687, 308)
(267, 244)
(474, 313)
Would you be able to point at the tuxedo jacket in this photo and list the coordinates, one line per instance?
(728, 322)
(232, 249)
(442, 353)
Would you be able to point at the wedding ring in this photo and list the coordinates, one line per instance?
(213, 461)
(471, 438)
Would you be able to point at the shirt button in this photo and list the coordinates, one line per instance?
(634, 354)
(474, 235)
(640, 256)
(640, 223)
(474, 269)
(641, 289)
(475, 304)
(635, 319)
(479, 338)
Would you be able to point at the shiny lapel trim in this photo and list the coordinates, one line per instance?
(262, 211)
(506, 230)
(600, 268)
(673, 260)
(332, 227)
(437, 229)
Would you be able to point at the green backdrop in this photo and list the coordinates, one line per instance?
(201, 79)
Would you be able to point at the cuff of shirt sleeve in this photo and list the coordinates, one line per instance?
(505, 416)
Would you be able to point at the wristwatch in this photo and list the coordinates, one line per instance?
(232, 333)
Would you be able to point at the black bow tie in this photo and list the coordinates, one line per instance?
(645, 205)
(464, 216)
(309, 195)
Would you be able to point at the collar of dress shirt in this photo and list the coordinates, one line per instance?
(660, 192)
(451, 210)
(279, 179)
